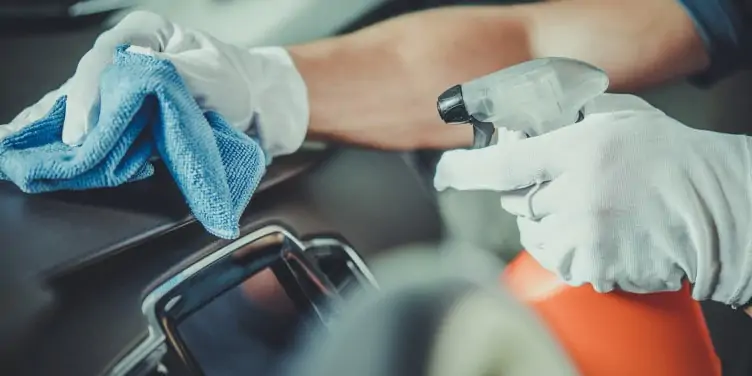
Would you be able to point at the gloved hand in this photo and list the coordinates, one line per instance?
(257, 86)
(628, 198)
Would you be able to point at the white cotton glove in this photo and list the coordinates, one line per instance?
(628, 198)
(257, 86)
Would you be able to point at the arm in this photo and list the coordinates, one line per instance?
(378, 86)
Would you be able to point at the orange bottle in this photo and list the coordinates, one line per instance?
(614, 334)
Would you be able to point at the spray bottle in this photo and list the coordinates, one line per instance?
(618, 333)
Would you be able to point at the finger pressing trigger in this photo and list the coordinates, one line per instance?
(509, 165)
(468, 169)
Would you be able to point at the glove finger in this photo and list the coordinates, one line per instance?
(536, 160)
(473, 169)
(537, 202)
(551, 243)
(574, 249)
(503, 167)
(516, 203)
(469, 169)
(532, 235)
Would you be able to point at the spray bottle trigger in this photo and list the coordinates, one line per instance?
(482, 133)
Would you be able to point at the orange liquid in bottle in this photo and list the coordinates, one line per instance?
(618, 333)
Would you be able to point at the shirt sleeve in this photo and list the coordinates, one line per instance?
(725, 27)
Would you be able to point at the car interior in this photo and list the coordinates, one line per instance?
(93, 282)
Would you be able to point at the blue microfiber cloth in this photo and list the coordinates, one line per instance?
(145, 110)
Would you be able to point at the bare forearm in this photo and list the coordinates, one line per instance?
(392, 72)
(639, 43)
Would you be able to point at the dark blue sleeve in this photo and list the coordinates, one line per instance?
(725, 28)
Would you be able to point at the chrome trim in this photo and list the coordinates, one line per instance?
(351, 253)
(156, 336)
(323, 285)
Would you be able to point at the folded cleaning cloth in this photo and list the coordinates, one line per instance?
(145, 110)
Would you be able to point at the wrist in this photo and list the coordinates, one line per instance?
(315, 63)
(279, 98)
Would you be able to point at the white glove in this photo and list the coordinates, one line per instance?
(257, 86)
(628, 199)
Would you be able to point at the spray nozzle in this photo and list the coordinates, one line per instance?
(533, 97)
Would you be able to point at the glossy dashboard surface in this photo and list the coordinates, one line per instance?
(83, 226)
